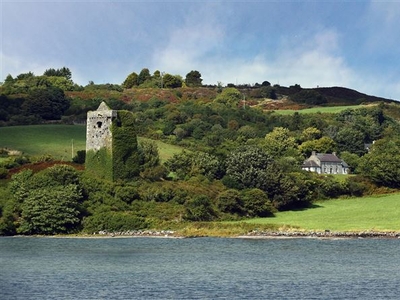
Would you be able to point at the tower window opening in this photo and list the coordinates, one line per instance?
(99, 124)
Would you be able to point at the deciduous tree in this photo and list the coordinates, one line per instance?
(193, 79)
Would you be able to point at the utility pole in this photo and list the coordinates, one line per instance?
(162, 75)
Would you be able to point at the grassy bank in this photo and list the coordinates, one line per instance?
(323, 110)
(59, 141)
(379, 213)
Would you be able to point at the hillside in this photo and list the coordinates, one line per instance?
(242, 160)
(338, 95)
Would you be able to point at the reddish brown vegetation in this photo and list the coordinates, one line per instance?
(39, 166)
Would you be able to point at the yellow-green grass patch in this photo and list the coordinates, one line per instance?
(330, 110)
(355, 214)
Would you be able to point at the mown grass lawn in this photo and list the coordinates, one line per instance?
(59, 141)
(327, 110)
(355, 214)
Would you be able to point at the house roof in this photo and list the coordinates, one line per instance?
(326, 157)
(316, 159)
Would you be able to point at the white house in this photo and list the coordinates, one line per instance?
(324, 163)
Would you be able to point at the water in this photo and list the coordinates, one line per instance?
(202, 268)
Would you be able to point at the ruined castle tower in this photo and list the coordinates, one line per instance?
(98, 128)
(111, 144)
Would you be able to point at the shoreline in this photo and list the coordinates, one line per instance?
(250, 235)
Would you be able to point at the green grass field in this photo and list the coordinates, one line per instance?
(59, 141)
(327, 110)
(355, 214)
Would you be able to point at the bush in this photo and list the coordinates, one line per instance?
(256, 203)
(230, 201)
(199, 209)
(50, 211)
(113, 222)
(80, 157)
(3, 172)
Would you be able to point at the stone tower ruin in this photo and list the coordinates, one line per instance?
(111, 144)
(98, 128)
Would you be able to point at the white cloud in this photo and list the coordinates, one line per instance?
(313, 62)
(198, 37)
(15, 66)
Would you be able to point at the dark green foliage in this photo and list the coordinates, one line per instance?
(3, 172)
(247, 166)
(149, 154)
(63, 72)
(154, 173)
(256, 203)
(125, 156)
(193, 79)
(229, 97)
(168, 128)
(126, 193)
(350, 140)
(91, 87)
(8, 211)
(382, 164)
(49, 103)
(131, 81)
(170, 81)
(292, 190)
(331, 187)
(351, 159)
(309, 97)
(264, 92)
(80, 157)
(188, 164)
(113, 222)
(50, 210)
(47, 202)
(99, 163)
(355, 186)
(199, 208)
(144, 75)
(157, 193)
(230, 201)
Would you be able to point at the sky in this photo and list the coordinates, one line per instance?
(353, 44)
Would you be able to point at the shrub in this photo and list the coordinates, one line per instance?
(3, 172)
(230, 201)
(256, 203)
(80, 157)
(199, 208)
(50, 211)
(113, 222)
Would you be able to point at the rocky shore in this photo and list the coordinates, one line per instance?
(137, 233)
(259, 234)
(324, 234)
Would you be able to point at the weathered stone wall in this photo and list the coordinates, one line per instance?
(98, 128)
(111, 144)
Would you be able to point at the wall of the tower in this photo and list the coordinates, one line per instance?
(98, 128)
(111, 144)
